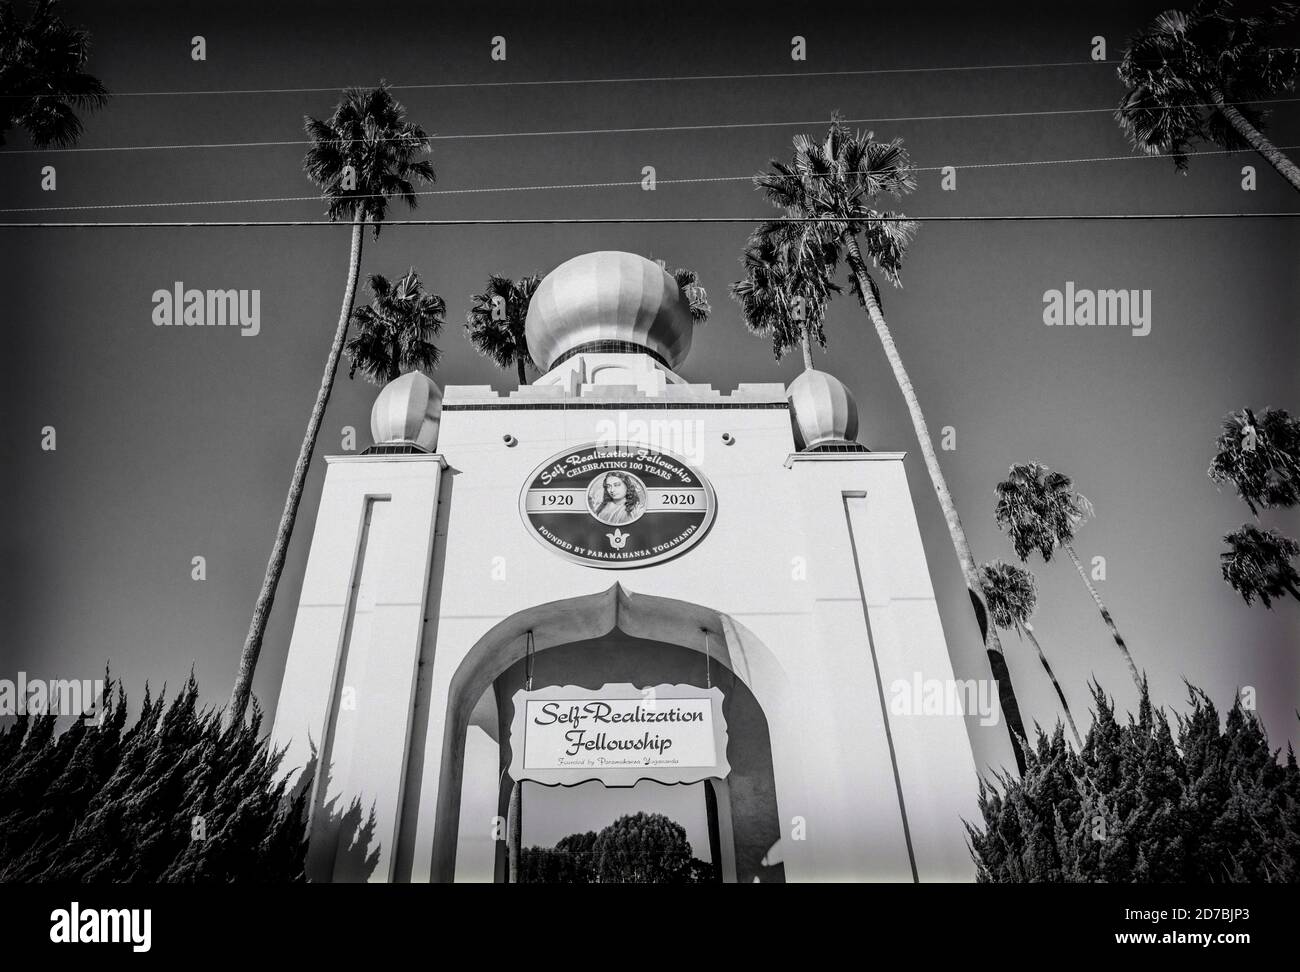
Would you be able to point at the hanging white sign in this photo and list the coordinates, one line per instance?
(618, 734)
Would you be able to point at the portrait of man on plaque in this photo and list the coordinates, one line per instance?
(616, 498)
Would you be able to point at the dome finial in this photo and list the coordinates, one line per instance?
(407, 412)
(822, 411)
(608, 302)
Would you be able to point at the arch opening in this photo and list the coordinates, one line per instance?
(609, 638)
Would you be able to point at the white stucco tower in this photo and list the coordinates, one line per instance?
(611, 524)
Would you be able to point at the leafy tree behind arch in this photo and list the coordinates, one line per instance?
(639, 848)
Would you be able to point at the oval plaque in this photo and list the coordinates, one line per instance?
(617, 505)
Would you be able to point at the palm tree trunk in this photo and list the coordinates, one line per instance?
(1285, 167)
(992, 645)
(1029, 630)
(1105, 616)
(523, 374)
(806, 346)
(239, 696)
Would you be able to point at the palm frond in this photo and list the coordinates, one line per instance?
(1009, 592)
(696, 296)
(786, 287)
(1258, 564)
(1039, 509)
(495, 323)
(43, 76)
(369, 136)
(1260, 456)
(1175, 69)
(395, 331)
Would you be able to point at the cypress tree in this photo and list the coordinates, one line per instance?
(174, 798)
(1148, 801)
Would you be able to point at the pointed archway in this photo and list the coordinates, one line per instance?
(759, 690)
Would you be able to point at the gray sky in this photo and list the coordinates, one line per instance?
(177, 442)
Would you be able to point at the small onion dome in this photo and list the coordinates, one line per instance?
(822, 410)
(407, 412)
(612, 302)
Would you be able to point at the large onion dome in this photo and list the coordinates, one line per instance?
(407, 413)
(608, 301)
(823, 411)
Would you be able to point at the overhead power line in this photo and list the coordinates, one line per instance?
(643, 79)
(611, 220)
(638, 130)
(595, 185)
(647, 79)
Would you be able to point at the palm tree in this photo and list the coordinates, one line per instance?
(1011, 595)
(830, 189)
(1260, 456)
(1040, 511)
(1259, 564)
(496, 319)
(42, 76)
(782, 296)
(1191, 75)
(688, 282)
(363, 155)
(395, 330)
